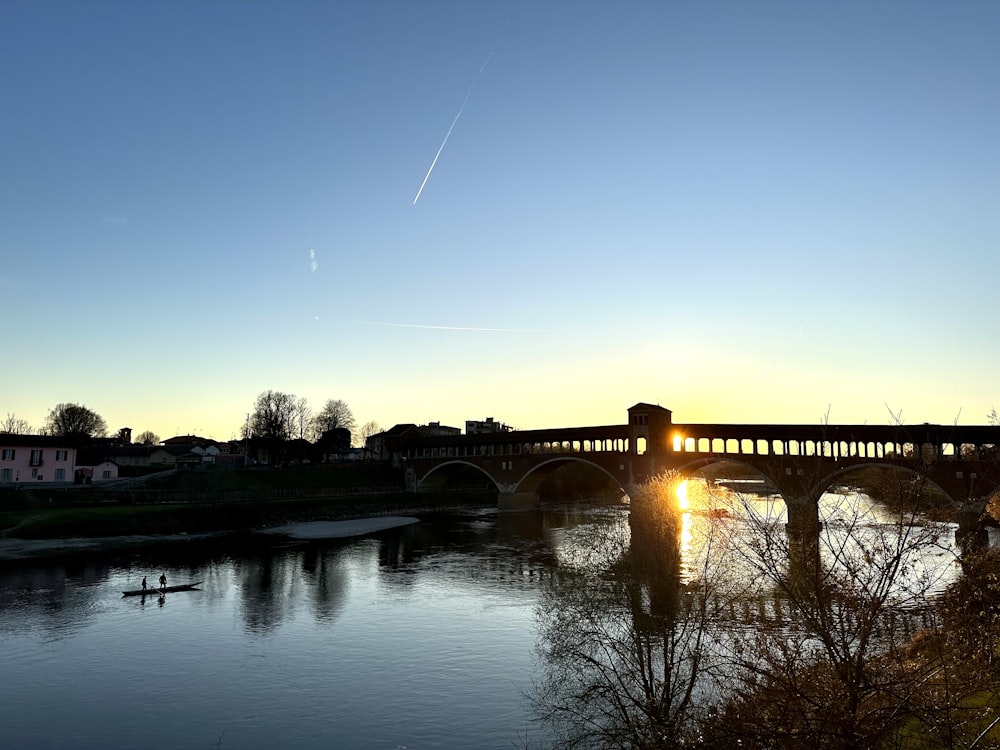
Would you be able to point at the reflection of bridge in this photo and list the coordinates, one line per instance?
(801, 461)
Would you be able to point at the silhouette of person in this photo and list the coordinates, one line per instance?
(144, 583)
(163, 580)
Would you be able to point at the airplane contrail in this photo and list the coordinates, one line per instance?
(451, 328)
(448, 134)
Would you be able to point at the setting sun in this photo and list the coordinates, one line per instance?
(682, 495)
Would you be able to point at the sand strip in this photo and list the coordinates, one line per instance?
(340, 529)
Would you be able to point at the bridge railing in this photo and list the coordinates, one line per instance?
(924, 442)
(605, 439)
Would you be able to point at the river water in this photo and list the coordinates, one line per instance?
(417, 637)
(420, 637)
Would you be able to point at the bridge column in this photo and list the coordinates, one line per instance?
(803, 515)
(803, 541)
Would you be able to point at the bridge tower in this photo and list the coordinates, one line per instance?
(648, 440)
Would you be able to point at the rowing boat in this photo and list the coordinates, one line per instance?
(167, 590)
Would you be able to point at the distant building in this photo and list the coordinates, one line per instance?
(379, 447)
(486, 427)
(92, 466)
(432, 429)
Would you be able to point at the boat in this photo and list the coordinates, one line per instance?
(156, 591)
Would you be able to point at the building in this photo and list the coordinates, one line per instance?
(432, 429)
(486, 427)
(33, 459)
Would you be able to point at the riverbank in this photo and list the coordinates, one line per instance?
(79, 529)
(30, 549)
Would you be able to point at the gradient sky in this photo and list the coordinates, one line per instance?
(742, 211)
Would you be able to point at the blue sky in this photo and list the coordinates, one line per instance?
(745, 212)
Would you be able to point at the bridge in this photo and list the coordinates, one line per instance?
(800, 461)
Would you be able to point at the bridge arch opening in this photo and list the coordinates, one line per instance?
(456, 476)
(901, 489)
(568, 479)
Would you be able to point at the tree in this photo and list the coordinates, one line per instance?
(147, 438)
(301, 418)
(75, 421)
(15, 426)
(273, 416)
(829, 667)
(367, 430)
(624, 641)
(335, 414)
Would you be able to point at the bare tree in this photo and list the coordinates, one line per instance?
(273, 416)
(13, 425)
(147, 438)
(367, 430)
(75, 421)
(301, 419)
(624, 635)
(826, 669)
(335, 414)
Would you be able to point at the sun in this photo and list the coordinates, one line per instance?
(682, 495)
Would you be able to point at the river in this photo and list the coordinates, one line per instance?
(418, 637)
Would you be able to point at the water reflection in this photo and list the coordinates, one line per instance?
(305, 646)
(622, 638)
(650, 630)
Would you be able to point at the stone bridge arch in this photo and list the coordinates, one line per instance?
(436, 477)
(515, 492)
(831, 478)
(537, 474)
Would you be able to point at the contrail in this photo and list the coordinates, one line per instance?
(448, 134)
(450, 328)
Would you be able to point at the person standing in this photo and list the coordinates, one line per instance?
(163, 581)
(144, 583)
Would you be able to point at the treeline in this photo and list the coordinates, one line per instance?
(275, 416)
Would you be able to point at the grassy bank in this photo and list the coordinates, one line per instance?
(223, 500)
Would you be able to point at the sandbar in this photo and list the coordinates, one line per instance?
(340, 529)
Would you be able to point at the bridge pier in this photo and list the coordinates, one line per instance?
(803, 516)
(803, 529)
(519, 501)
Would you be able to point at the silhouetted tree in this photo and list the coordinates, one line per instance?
(367, 430)
(301, 419)
(273, 416)
(623, 639)
(827, 670)
(13, 425)
(75, 421)
(147, 438)
(335, 414)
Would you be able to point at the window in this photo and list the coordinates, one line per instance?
(106, 474)
(6, 475)
(60, 475)
(36, 457)
(62, 455)
(8, 454)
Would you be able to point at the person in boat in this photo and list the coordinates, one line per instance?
(144, 583)
(163, 580)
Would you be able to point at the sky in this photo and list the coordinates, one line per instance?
(544, 212)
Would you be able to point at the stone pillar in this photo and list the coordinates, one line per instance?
(803, 541)
(803, 515)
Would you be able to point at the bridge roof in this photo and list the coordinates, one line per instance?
(605, 432)
(913, 433)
